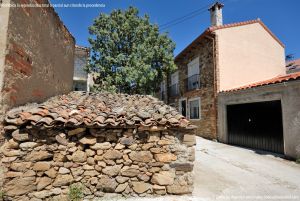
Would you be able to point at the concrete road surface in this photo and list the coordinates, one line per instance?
(224, 172)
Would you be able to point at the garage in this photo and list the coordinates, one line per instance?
(256, 125)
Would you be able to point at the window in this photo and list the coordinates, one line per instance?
(193, 67)
(193, 80)
(174, 89)
(80, 63)
(182, 106)
(194, 105)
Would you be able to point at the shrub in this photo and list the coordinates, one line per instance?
(75, 192)
(2, 195)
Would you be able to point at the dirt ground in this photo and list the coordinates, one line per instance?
(224, 172)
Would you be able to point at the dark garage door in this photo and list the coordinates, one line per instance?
(256, 125)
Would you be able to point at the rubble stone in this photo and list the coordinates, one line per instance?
(163, 178)
(102, 146)
(38, 156)
(130, 161)
(88, 140)
(165, 157)
(41, 166)
(63, 180)
(79, 156)
(141, 156)
(76, 131)
(140, 187)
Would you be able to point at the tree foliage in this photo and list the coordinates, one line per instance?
(129, 54)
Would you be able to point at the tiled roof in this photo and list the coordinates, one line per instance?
(98, 110)
(279, 79)
(295, 64)
(82, 47)
(211, 29)
(214, 28)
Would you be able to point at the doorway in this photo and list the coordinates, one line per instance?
(182, 106)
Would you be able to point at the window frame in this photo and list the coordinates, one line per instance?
(189, 109)
(191, 64)
(186, 106)
(174, 75)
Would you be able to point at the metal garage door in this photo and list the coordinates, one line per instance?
(256, 125)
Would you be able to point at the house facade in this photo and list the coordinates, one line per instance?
(81, 79)
(193, 90)
(223, 57)
(36, 54)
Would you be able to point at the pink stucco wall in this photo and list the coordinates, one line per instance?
(247, 54)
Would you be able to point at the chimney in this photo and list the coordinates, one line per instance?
(216, 18)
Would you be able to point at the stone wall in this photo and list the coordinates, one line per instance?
(42, 164)
(207, 92)
(39, 51)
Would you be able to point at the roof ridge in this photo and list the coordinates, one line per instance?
(274, 80)
(98, 110)
(234, 24)
(211, 29)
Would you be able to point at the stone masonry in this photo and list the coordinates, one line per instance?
(36, 50)
(205, 51)
(105, 143)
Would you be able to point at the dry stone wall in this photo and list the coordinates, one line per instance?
(42, 164)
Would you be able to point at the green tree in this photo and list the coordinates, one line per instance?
(129, 54)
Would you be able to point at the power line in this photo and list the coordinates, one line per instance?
(185, 17)
(183, 20)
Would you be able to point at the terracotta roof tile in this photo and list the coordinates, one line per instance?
(214, 28)
(279, 79)
(97, 110)
(295, 64)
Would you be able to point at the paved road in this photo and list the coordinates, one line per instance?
(224, 172)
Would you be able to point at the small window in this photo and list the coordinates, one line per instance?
(194, 108)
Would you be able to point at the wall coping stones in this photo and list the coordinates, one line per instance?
(82, 110)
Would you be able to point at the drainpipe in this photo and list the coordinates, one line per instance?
(215, 81)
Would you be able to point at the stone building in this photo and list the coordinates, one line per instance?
(82, 81)
(223, 57)
(134, 145)
(36, 54)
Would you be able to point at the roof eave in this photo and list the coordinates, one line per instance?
(211, 30)
(192, 44)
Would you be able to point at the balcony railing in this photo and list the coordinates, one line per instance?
(192, 82)
(173, 90)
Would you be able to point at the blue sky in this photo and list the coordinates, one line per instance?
(281, 16)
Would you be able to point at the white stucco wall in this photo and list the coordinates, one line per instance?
(247, 54)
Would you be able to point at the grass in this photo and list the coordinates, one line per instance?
(2, 195)
(75, 192)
